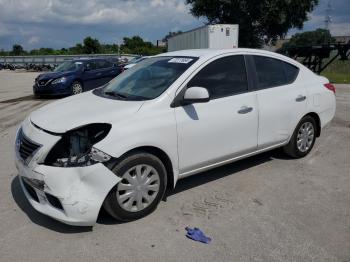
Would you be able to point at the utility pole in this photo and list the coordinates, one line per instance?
(328, 18)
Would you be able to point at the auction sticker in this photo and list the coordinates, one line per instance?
(181, 60)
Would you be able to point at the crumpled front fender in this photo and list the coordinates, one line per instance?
(81, 190)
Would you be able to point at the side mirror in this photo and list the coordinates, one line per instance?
(196, 94)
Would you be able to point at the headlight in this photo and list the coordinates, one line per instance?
(59, 80)
(75, 148)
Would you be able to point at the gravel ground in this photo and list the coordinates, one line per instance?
(265, 208)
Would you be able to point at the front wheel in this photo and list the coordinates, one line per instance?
(303, 138)
(142, 186)
(77, 88)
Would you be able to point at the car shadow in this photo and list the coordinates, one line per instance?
(226, 170)
(184, 184)
(29, 98)
(38, 218)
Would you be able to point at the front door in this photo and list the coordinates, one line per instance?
(91, 76)
(223, 128)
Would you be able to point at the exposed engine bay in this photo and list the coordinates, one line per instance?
(75, 148)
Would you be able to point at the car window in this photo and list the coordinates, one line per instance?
(103, 64)
(291, 72)
(223, 77)
(69, 66)
(91, 65)
(273, 72)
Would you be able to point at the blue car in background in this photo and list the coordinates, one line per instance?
(75, 76)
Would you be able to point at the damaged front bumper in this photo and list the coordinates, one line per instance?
(72, 195)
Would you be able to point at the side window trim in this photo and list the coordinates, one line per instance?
(251, 73)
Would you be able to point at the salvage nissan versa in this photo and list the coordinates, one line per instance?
(170, 116)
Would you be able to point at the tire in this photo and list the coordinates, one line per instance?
(77, 88)
(130, 200)
(301, 149)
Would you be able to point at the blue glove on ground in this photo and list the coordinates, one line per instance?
(197, 235)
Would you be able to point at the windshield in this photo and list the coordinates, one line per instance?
(148, 79)
(68, 66)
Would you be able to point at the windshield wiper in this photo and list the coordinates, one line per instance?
(126, 97)
(116, 94)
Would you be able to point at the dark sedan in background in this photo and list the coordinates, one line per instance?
(75, 76)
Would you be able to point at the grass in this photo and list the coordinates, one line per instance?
(338, 72)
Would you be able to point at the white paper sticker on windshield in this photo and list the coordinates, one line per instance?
(181, 60)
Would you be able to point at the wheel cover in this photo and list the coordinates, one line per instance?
(138, 188)
(77, 88)
(305, 136)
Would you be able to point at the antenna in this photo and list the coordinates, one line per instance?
(328, 18)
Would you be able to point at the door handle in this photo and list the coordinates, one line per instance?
(300, 98)
(245, 110)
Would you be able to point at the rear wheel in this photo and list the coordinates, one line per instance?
(303, 138)
(141, 189)
(77, 88)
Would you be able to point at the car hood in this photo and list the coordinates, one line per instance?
(80, 110)
(53, 75)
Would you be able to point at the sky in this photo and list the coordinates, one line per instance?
(63, 23)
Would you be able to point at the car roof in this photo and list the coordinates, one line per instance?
(88, 59)
(209, 53)
(214, 52)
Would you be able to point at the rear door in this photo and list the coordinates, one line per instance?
(224, 127)
(282, 100)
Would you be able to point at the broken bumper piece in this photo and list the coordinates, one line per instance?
(73, 195)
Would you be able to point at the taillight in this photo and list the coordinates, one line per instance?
(331, 87)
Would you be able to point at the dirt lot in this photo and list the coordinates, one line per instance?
(265, 208)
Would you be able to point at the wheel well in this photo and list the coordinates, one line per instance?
(162, 156)
(78, 80)
(318, 122)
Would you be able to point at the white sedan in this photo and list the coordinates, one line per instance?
(170, 116)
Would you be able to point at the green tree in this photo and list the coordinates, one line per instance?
(136, 45)
(317, 37)
(259, 20)
(309, 38)
(171, 34)
(3, 52)
(91, 45)
(17, 50)
(77, 49)
(109, 48)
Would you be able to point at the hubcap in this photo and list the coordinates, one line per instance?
(77, 89)
(138, 188)
(305, 137)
